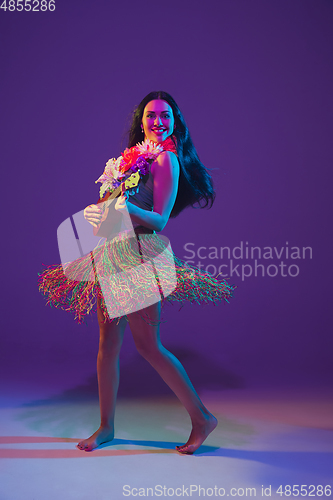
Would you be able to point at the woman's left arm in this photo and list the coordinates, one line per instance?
(165, 170)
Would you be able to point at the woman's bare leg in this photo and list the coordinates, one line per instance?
(111, 337)
(148, 343)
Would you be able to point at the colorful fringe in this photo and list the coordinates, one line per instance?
(75, 287)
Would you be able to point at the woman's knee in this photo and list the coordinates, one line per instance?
(148, 349)
(111, 337)
(109, 347)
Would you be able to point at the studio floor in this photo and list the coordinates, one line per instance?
(267, 443)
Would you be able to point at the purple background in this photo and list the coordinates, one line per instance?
(254, 82)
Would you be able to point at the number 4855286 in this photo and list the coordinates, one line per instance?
(304, 490)
(33, 5)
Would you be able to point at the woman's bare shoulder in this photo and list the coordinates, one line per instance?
(166, 159)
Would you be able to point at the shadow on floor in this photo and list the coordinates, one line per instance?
(306, 462)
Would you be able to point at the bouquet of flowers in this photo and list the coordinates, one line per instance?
(129, 167)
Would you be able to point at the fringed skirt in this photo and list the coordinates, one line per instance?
(125, 275)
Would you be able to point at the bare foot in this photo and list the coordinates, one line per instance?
(200, 431)
(102, 435)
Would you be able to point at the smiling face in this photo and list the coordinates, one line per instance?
(157, 120)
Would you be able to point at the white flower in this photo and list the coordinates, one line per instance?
(149, 149)
(111, 170)
(111, 173)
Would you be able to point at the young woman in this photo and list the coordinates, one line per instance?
(176, 179)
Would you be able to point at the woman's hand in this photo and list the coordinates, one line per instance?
(121, 203)
(93, 214)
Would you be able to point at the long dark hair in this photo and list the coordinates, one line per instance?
(195, 183)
